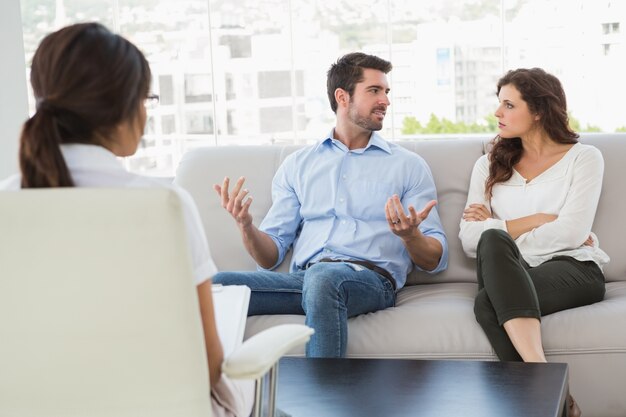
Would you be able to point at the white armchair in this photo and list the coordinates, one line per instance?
(98, 310)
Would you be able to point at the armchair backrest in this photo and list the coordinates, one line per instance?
(98, 310)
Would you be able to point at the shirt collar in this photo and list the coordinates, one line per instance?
(375, 140)
(78, 155)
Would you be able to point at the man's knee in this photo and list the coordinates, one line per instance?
(229, 278)
(322, 283)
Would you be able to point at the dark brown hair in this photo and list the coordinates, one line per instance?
(86, 81)
(348, 71)
(544, 95)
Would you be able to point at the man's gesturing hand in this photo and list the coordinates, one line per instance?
(402, 225)
(234, 202)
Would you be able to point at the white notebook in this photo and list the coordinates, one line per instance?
(231, 310)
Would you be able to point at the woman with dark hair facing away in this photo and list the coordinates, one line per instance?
(91, 86)
(528, 218)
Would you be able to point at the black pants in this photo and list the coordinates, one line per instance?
(509, 288)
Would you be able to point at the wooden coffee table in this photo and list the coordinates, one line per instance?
(396, 388)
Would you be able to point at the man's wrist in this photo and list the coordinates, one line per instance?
(414, 238)
(246, 229)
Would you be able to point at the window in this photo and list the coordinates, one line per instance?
(168, 124)
(609, 28)
(276, 119)
(198, 88)
(273, 84)
(243, 72)
(166, 90)
(198, 122)
(240, 46)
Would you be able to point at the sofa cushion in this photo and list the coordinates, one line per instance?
(437, 321)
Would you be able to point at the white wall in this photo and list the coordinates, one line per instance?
(13, 93)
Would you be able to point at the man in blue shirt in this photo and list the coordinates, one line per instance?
(340, 204)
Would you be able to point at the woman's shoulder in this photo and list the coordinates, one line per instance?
(11, 183)
(586, 154)
(587, 149)
(482, 164)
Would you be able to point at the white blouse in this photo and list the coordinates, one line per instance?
(95, 166)
(570, 189)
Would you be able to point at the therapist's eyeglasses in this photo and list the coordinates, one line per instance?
(152, 101)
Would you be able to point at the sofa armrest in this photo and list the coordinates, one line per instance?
(257, 355)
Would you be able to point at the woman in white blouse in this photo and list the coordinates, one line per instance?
(91, 86)
(528, 218)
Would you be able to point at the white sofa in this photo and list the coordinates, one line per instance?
(433, 317)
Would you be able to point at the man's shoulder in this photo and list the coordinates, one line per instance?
(303, 153)
(400, 152)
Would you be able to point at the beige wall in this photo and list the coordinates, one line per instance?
(13, 94)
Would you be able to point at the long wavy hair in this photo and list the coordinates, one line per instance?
(544, 95)
(86, 81)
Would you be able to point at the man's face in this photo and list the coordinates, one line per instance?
(368, 105)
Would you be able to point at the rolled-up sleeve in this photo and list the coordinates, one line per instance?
(283, 219)
(423, 191)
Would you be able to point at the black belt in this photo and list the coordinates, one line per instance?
(367, 265)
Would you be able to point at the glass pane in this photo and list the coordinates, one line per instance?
(253, 71)
(41, 17)
(447, 61)
(259, 76)
(174, 36)
(322, 32)
(579, 42)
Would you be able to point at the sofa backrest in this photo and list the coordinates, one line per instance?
(610, 221)
(451, 161)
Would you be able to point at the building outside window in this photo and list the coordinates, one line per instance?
(254, 72)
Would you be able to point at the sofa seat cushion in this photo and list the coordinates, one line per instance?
(594, 329)
(413, 328)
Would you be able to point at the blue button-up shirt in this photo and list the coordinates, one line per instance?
(329, 202)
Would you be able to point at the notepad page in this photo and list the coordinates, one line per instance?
(231, 310)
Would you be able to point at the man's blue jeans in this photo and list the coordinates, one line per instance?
(327, 293)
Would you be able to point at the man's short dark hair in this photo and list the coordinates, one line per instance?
(348, 71)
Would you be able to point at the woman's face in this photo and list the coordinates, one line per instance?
(130, 132)
(514, 117)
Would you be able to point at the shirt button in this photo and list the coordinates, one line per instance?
(344, 177)
(343, 222)
(341, 200)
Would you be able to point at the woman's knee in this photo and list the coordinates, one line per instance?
(495, 240)
(493, 236)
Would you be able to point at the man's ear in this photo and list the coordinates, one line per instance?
(341, 96)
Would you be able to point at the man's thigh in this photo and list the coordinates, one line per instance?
(272, 292)
(357, 288)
